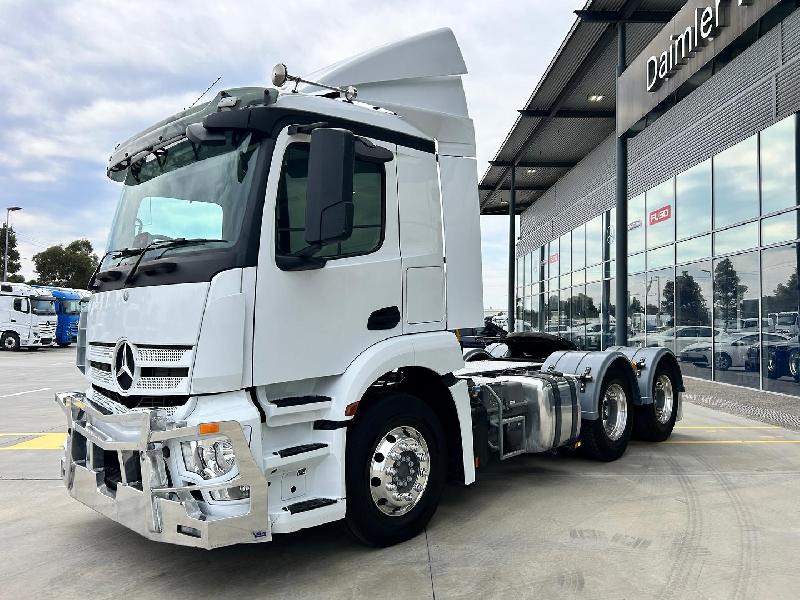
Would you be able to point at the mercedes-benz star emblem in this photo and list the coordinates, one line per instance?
(124, 366)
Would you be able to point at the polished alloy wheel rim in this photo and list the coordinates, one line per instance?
(614, 411)
(399, 471)
(9, 342)
(664, 398)
(722, 361)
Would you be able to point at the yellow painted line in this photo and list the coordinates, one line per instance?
(732, 442)
(20, 434)
(727, 427)
(48, 441)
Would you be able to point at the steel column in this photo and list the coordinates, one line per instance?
(621, 335)
(512, 262)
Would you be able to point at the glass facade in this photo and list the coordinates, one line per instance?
(712, 269)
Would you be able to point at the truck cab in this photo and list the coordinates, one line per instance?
(68, 309)
(27, 317)
(270, 341)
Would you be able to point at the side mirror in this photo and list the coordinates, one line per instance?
(329, 191)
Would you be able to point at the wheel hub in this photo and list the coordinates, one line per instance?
(663, 399)
(614, 411)
(399, 470)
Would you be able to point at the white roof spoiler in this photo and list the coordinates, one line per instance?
(419, 78)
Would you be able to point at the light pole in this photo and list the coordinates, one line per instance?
(9, 210)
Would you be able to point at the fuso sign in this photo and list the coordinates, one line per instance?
(660, 214)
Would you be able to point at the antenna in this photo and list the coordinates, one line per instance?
(280, 76)
(204, 93)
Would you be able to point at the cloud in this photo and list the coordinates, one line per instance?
(91, 76)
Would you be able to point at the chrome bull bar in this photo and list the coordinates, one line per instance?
(142, 497)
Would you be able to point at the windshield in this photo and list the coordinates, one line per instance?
(184, 191)
(787, 319)
(70, 307)
(43, 307)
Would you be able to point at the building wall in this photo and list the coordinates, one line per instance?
(759, 87)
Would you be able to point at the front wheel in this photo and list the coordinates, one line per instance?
(655, 421)
(607, 437)
(722, 361)
(10, 341)
(395, 469)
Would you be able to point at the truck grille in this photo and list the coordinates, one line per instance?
(115, 404)
(46, 330)
(163, 369)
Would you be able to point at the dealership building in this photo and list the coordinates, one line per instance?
(654, 170)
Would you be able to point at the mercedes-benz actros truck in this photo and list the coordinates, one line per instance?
(271, 340)
(27, 317)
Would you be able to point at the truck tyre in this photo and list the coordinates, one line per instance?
(607, 437)
(395, 469)
(10, 341)
(64, 344)
(655, 421)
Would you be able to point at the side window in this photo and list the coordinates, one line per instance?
(21, 304)
(368, 207)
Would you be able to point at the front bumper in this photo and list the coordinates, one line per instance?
(115, 464)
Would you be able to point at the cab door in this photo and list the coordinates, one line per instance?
(314, 323)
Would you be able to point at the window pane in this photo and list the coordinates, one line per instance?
(736, 184)
(552, 258)
(736, 238)
(608, 317)
(693, 200)
(591, 307)
(594, 273)
(594, 240)
(662, 257)
(577, 324)
(552, 312)
(579, 277)
(699, 247)
(291, 206)
(660, 224)
(736, 292)
(780, 304)
(693, 304)
(778, 185)
(780, 228)
(609, 236)
(660, 309)
(636, 222)
(566, 253)
(636, 304)
(579, 247)
(636, 263)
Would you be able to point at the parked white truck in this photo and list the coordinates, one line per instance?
(27, 317)
(270, 345)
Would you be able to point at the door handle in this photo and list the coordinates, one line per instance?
(384, 318)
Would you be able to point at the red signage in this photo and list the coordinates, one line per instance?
(660, 214)
(553, 258)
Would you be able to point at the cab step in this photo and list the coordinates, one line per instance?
(301, 449)
(304, 453)
(307, 513)
(299, 401)
(311, 504)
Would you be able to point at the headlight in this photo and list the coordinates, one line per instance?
(209, 458)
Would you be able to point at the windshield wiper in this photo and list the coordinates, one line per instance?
(119, 253)
(165, 244)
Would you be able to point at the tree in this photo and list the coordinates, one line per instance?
(66, 266)
(728, 291)
(685, 299)
(13, 254)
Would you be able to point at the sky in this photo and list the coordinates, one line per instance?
(79, 77)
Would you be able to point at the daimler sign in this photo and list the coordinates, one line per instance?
(707, 21)
(700, 30)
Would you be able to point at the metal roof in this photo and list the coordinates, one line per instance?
(559, 125)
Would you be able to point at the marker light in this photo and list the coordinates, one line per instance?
(205, 428)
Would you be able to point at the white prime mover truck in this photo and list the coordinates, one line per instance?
(27, 317)
(271, 343)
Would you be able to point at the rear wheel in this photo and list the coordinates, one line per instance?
(607, 437)
(655, 421)
(722, 361)
(395, 469)
(10, 341)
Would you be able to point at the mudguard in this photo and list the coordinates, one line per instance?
(647, 361)
(591, 368)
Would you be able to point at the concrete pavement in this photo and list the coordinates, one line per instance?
(710, 514)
